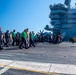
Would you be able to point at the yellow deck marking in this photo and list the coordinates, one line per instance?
(37, 71)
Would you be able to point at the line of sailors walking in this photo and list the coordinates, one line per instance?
(26, 39)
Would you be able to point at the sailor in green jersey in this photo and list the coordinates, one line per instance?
(14, 37)
(24, 36)
(32, 39)
(36, 38)
(13, 34)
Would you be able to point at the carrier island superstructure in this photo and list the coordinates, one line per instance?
(63, 20)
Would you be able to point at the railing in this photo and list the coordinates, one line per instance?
(58, 11)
